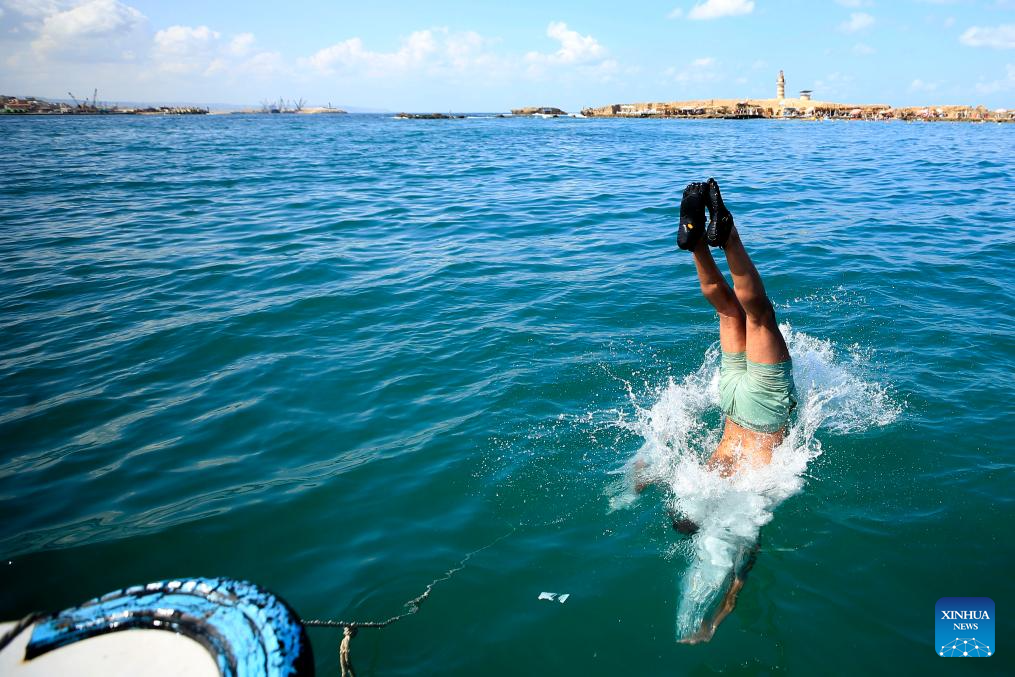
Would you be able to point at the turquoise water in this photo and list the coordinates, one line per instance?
(334, 355)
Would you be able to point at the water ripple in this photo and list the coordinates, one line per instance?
(244, 324)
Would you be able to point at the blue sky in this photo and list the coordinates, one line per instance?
(453, 55)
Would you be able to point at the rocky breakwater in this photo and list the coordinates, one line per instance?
(539, 111)
(429, 116)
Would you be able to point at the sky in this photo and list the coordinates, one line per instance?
(442, 55)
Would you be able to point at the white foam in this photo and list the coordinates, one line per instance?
(832, 395)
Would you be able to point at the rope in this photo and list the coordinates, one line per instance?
(18, 628)
(350, 628)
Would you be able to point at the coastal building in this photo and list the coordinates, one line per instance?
(802, 107)
(638, 109)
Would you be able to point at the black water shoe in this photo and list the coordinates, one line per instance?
(692, 215)
(721, 222)
(682, 524)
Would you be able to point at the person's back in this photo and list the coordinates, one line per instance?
(743, 447)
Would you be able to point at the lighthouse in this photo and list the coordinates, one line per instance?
(780, 86)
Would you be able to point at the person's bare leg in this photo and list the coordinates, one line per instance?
(765, 344)
(732, 322)
(732, 333)
(729, 602)
(732, 319)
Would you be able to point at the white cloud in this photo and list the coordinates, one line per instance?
(863, 49)
(182, 40)
(345, 54)
(263, 65)
(675, 13)
(38, 9)
(466, 58)
(574, 47)
(998, 37)
(715, 9)
(699, 70)
(188, 49)
(350, 55)
(857, 22)
(92, 26)
(607, 69)
(241, 44)
(578, 54)
(919, 85)
(435, 51)
(948, 22)
(1003, 85)
(835, 85)
(463, 51)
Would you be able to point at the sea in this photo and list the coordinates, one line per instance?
(345, 357)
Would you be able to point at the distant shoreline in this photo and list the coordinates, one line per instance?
(456, 116)
(802, 108)
(30, 105)
(797, 108)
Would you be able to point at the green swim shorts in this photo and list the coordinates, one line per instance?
(756, 396)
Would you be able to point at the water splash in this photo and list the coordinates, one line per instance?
(730, 511)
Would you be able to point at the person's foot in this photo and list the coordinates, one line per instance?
(640, 479)
(721, 222)
(685, 526)
(682, 525)
(692, 215)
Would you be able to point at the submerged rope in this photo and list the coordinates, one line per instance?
(20, 627)
(412, 606)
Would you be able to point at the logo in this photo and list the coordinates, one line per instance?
(964, 627)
